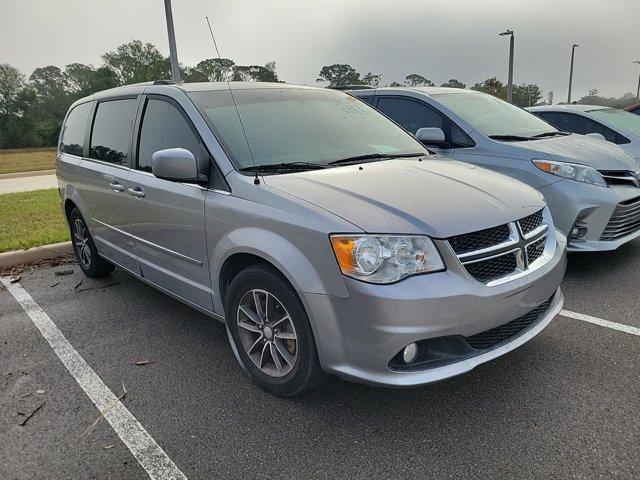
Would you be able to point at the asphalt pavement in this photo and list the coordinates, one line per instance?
(564, 405)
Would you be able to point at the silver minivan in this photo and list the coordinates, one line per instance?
(326, 237)
(591, 187)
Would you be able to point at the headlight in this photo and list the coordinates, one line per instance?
(572, 171)
(385, 259)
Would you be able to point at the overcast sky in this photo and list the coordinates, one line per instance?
(437, 38)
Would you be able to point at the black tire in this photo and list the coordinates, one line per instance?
(93, 265)
(306, 372)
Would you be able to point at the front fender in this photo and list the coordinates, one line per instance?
(320, 275)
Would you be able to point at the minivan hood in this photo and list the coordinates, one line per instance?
(437, 197)
(574, 148)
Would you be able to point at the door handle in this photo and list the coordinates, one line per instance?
(117, 186)
(136, 192)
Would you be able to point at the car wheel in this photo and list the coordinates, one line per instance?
(270, 333)
(92, 264)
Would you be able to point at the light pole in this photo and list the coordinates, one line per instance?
(173, 53)
(510, 83)
(638, 91)
(573, 51)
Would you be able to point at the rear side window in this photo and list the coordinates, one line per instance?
(164, 126)
(112, 127)
(72, 141)
(409, 114)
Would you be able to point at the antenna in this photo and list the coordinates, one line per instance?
(213, 38)
(256, 180)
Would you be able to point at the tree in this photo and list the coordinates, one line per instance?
(11, 84)
(372, 79)
(453, 83)
(416, 80)
(254, 73)
(492, 86)
(395, 84)
(136, 62)
(211, 70)
(340, 75)
(526, 95)
(50, 86)
(84, 79)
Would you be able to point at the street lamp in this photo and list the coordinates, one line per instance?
(638, 91)
(573, 51)
(173, 53)
(510, 83)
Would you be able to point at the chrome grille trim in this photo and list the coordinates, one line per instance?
(624, 221)
(518, 245)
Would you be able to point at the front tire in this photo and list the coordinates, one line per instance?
(92, 264)
(270, 333)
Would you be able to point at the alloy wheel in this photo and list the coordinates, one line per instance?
(81, 242)
(267, 333)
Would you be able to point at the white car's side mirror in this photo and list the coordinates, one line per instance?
(599, 136)
(430, 136)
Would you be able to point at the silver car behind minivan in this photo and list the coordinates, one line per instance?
(591, 187)
(326, 237)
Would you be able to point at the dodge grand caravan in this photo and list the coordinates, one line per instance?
(591, 186)
(326, 237)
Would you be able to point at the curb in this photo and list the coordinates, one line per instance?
(35, 254)
(35, 173)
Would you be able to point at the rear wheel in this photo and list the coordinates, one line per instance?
(270, 333)
(92, 264)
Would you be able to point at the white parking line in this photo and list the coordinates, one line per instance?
(148, 453)
(600, 321)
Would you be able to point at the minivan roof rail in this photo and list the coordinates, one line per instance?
(354, 87)
(164, 82)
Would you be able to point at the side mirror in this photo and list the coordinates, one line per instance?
(599, 136)
(177, 164)
(430, 136)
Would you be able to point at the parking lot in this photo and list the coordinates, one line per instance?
(565, 405)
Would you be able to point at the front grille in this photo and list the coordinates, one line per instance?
(502, 252)
(617, 177)
(486, 271)
(530, 223)
(488, 237)
(495, 336)
(624, 221)
(536, 249)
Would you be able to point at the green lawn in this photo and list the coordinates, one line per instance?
(33, 218)
(27, 160)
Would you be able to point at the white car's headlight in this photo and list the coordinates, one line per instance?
(385, 258)
(571, 171)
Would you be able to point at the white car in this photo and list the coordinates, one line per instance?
(616, 126)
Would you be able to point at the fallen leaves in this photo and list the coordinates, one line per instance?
(144, 361)
(28, 417)
(63, 272)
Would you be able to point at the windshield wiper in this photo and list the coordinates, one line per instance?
(284, 166)
(551, 134)
(374, 156)
(510, 138)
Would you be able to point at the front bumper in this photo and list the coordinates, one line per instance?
(357, 337)
(590, 207)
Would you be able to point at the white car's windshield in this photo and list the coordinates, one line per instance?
(273, 126)
(618, 118)
(494, 117)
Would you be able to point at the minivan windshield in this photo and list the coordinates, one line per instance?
(494, 117)
(618, 118)
(300, 127)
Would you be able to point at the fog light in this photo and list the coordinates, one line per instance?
(578, 232)
(410, 353)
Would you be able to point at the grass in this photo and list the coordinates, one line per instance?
(28, 219)
(27, 160)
